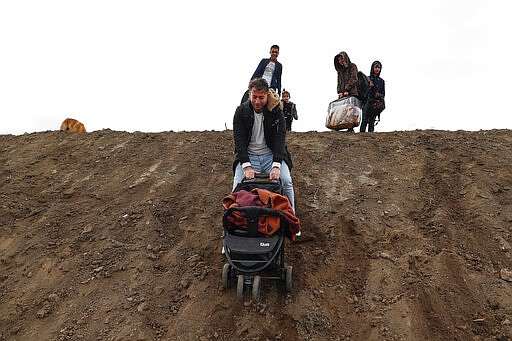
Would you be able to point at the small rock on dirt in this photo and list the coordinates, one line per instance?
(506, 275)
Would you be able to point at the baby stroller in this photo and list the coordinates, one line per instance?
(251, 255)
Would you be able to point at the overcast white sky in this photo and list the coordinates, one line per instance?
(183, 65)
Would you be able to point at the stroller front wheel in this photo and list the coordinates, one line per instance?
(240, 287)
(288, 278)
(256, 292)
(226, 276)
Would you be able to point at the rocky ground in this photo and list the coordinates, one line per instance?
(116, 236)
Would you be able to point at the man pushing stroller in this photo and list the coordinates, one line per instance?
(259, 132)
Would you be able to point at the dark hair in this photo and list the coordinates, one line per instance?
(286, 92)
(274, 47)
(259, 84)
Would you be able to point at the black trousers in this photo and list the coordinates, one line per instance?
(288, 121)
(368, 120)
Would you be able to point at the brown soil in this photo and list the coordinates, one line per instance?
(116, 236)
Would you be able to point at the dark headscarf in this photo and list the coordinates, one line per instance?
(337, 65)
(372, 75)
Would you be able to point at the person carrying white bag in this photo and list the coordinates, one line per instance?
(347, 82)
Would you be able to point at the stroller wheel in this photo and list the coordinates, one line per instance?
(256, 285)
(226, 276)
(240, 287)
(289, 278)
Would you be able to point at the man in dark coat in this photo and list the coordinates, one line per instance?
(259, 132)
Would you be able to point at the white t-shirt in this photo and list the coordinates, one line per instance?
(269, 71)
(257, 145)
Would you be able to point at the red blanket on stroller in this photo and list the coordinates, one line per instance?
(267, 225)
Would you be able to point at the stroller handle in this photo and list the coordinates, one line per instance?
(260, 177)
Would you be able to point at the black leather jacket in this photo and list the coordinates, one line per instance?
(274, 128)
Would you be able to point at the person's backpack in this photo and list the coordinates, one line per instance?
(363, 86)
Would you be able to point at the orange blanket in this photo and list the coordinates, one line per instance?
(267, 225)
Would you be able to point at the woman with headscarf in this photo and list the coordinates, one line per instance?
(347, 77)
(375, 103)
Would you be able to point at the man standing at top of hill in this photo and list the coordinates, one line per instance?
(270, 70)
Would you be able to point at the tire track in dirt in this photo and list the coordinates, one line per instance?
(332, 256)
(454, 233)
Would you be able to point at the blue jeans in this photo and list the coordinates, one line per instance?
(263, 163)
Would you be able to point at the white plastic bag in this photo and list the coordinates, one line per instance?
(344, 113)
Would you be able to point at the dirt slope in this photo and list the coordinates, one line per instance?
(116, 236)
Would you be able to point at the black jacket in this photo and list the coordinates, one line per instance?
(290, 110)
(378, 83)
(274, 128)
